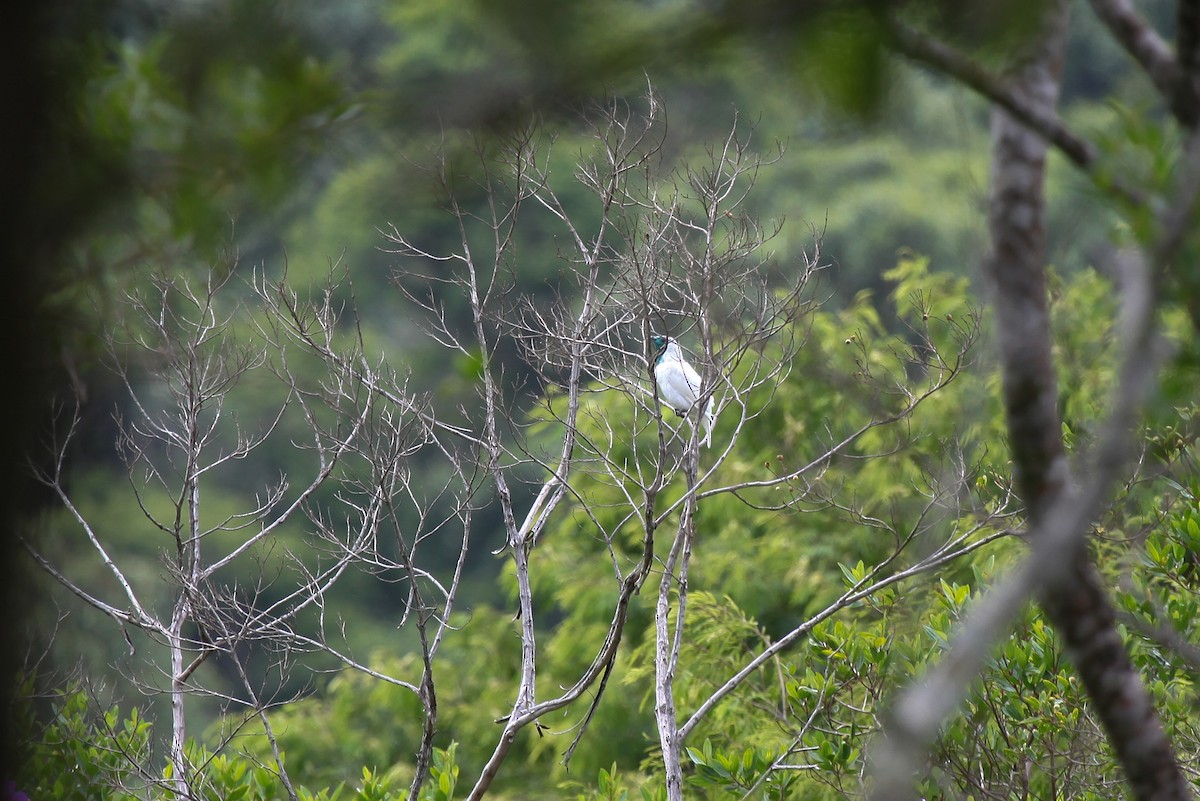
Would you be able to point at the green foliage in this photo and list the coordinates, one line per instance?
(81, 755)
(758, 573)
(230, 777)
(238, 116)
(801, 726)
(361, 722)
(734, 773)
(443, 775)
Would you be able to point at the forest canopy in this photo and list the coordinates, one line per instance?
(661, 400)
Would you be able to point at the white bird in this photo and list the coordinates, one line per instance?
(679, 383)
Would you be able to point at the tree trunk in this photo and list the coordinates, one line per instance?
(1076, 603)
(177, 754)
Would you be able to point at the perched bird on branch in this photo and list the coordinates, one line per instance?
(679, 383)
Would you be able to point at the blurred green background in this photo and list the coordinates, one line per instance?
(239, 136)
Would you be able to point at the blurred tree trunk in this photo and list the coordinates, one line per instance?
(1076, 602)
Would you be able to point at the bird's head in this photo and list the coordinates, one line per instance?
(660, 345)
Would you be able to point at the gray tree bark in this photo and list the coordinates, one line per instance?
(1076, 603)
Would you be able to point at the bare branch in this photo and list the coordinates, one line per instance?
(927, 50)
(1146, 47)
